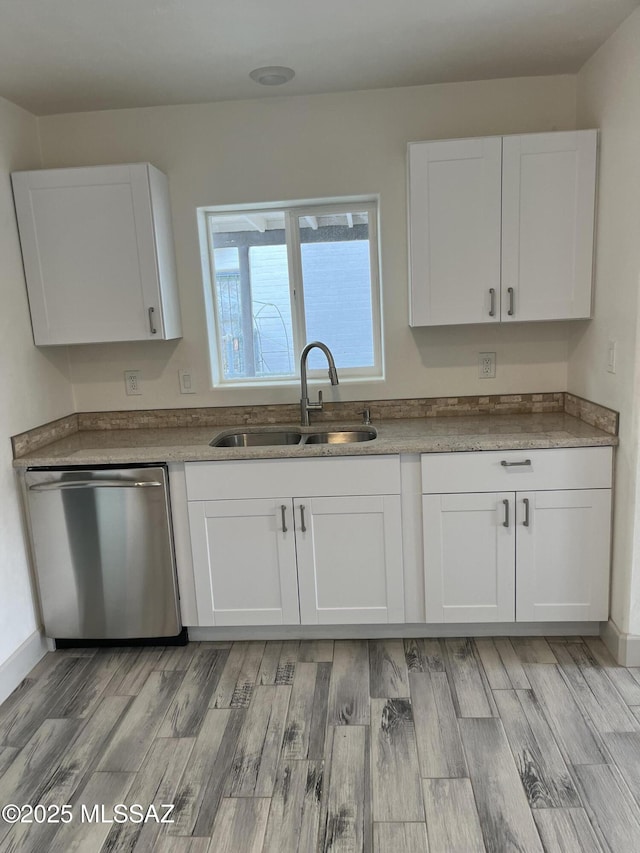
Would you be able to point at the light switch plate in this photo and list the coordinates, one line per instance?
(611, 356)
(185, 377)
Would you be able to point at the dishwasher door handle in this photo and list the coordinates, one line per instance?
(57, 485)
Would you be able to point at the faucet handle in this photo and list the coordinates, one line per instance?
(366, 415)
(313, 407)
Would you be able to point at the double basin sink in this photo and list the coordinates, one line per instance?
(269, 437)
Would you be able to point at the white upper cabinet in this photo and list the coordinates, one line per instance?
(548, 203)
(501, 228)
(454, 213)
(98, 254)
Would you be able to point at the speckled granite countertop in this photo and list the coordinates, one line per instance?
(412, 435)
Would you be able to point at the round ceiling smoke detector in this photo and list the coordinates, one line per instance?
(272, 75)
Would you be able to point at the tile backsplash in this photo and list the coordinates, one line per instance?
(591, 413)
(33, 439)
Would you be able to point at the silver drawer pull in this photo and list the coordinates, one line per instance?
(506, 464)
(492, 296)
(283, 510)
(303, 527)
(505, 523)
(511, 310)
(152, 325)
(527, 519)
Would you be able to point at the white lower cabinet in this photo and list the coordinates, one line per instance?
(508, 536)
(317, 559)
(562, 555)
(468, 554)
(245, 564)
(529, 556)
(350, 559)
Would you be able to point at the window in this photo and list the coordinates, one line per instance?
(277, 278)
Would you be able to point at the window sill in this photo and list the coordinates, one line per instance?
(295, 383)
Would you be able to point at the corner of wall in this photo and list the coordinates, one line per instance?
(608, 98)
(39, 139)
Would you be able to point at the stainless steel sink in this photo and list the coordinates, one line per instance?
(340, 436)
(269, 437)
(256, 438)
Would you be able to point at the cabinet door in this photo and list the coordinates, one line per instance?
(469, 557)
(90, 254)
(350, 559)
(244, 561)
(548, 203)
(454, 231)
(562, 555)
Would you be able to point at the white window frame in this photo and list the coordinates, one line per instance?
(292, 211)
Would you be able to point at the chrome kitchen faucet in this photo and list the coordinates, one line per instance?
(305, 405)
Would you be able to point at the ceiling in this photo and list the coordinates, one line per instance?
(74, 55)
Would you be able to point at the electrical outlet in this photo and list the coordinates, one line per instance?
(132, 382)
(487, 365)
(611, 356)
(185, 378)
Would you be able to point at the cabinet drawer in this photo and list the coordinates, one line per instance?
(263, 478)
(564, 468)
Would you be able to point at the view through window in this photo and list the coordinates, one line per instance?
(281, 278)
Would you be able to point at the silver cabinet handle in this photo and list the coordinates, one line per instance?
(515, 464)
(152, 327)
(505, 523)
(303, 526)
(92, 484)
(525, 501)
(492, 309)
(511, 310)
(283, 510)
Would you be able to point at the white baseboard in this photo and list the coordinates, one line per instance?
(624, 647)
(20, 663)
(349, 632)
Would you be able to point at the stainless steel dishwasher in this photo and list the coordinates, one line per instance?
(104, 554)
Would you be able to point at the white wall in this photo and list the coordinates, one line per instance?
(34, 385)
(609, 98)
(312, 147)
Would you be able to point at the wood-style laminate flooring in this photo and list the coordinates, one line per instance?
(388, 746)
